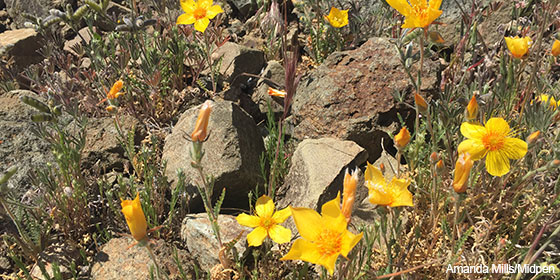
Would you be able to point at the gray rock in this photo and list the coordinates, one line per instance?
(232, 153)
(196, 232)
(22, 44)
(274, 72)
(78, 41)
(350, 96)
(237, 59)
(243, 8)
(18, 144)
(61, 254)
(38, 8)
(116, 261)
(317, 171)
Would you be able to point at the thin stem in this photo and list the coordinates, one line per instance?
(210, 63)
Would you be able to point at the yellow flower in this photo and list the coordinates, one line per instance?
(132, 210)
(472, 109)
(518, 46)
(555, 48)
(200, 128)
(420, 103)
(545, 98)
(493, 141)
(419, 13)
(402, 138)
(337, 18)
(324, 237)
(266, 223)
(200, 13)
(462, 171)
(533, 137)
(114, 92)
(276, 92)
(349, 193)
(382, 192)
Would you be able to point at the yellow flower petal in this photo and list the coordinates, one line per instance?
(473, 147)
(281, 215)
(498, 125)
(435, 4)
(188, 6)
(401, 195)
(349, 240)
(256, 237)
(186, 19)
(401, 6)
(472, 131)
(378, 195)
(497, 163)
(214, 11)
(308, 222)
(303, 250)
(515, 148)
(264, 206)
(280, 234)
(201, 24)
(373, 174)
(134, 215)
(248, 220)
(332, 216)
(205, 4)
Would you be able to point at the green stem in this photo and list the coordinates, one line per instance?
(210, 63)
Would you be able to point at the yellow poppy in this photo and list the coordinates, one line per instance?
(201, 127)
(266, 223)
(132, 210)
(518, 47)
(337, 18)
(382, 192)
(462, 171)
(324, 237)
(419, 13)
(402, 138)
(555, 48)
(545, 98)
(198, 12)
(472, 109)
(493, 141)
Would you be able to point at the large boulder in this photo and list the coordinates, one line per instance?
(118, 260)
(317, 171)
(197, 233)
(232, 153)
(38, 8)
(22, 45)
(350, 96)
(237, 59)
(272, 77)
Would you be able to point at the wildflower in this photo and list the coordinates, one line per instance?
(420, 14)
(555, 48)
(402, 138)
(382, 192)
(533, 137)
(434, 157)
(462, 171)
(276, 92)
(493, 141)
(518, 46)
(266, 223)
(198, 12)
(200, 129)
(111, 109)
(472, 109)
(435, 37)
(132, 210)
(114, 92)
(440, 168)
(337, 18)
(420, 103)
(545, 98)
(324, 236)
(349, 193)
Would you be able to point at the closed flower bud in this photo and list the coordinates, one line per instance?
(402, 138)
(132, 210)
(533, 137)
(518, 46)
(556, 48)
(200, 129)
(420, 103)
(349, 193)
(434, 157)
(440, 168)
(462, 171)
(472, 109)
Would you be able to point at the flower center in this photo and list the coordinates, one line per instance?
(493, 141)
(199, 13)
(329, 242)
(266, 223)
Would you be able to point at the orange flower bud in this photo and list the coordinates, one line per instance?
(556, 48)
(382, 167)
(434, 157)
(462, 171)
(200, 129)
(439, 166)
(132, 210)
(114, 92)
(349, 193)
(435, 37)
(276, 92)
(420, 103)
(533, 137)
(402, 138)
(472, 109)
(111, 109)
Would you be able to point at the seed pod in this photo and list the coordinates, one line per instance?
(11, 171)
(79, 13)
(35, 103)
(411, 35)
(94, 6)
(104, 4)
(50, 20)
(42, 118)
